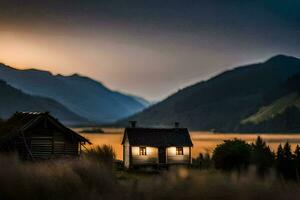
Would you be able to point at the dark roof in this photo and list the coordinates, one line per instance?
(21, 121)
(157, 137)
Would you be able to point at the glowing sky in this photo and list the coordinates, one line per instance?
(149, 48)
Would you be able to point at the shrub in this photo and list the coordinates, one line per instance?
(232, 155)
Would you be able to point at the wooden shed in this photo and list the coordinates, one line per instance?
(156, 146)
(37, 136)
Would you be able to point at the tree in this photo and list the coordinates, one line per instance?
(279, 159)
(287, 152)
(297, 161)
(232, 155)
(279, 154)
(297, 153)
(262, 156)
(285, 162)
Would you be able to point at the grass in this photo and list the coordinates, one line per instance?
(103, 154)
(89, 179)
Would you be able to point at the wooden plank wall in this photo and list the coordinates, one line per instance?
(45, 146)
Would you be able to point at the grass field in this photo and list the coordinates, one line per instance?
(88, 179)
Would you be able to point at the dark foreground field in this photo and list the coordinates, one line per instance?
(87, 179)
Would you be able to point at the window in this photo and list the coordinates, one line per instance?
(179, 150)
(143, 151)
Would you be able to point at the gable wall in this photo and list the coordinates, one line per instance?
(46, 141)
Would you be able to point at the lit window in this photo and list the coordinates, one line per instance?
(179, 150)
(143, 151)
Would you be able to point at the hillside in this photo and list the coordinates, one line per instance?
(222, 102)
(82, 95)
(286, 121)
(141, 100)
(275, 109)
(280, 115)
(13, 100)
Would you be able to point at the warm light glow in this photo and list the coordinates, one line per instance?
(119, 61)
(149, 150)
(183, 173)
(172, 151)
(203, 142)
(135, 151)
(151, 54)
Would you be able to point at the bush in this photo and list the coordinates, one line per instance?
(232, 155)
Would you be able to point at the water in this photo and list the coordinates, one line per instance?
(203, 141)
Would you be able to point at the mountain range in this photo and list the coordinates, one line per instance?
(258, 97)
(83, 96)
(13, 100)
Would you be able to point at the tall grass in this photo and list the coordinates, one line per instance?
(62, 179)
(88, 179)
(104, 154)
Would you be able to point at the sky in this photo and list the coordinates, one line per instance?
(148, 48)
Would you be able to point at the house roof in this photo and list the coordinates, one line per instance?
(158, 137)
(21, 121)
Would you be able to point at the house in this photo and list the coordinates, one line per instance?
(156, 146)
(36, 136)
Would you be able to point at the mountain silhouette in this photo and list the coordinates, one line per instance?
(224, 101)
(82, 95)
(14, 100)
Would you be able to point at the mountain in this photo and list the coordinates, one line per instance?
(224, 101)
(282, 114)
(13, 100)
(82, 95)
(143, 101)
(276, 108)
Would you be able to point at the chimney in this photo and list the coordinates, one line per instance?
(132, 124)
(176, 124)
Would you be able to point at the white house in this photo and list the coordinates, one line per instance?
(156, 146)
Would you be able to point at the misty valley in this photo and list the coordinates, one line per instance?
(149, 100)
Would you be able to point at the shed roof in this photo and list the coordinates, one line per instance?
(21, 121)
(158, 137)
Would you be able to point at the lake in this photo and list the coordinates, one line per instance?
(203, 141)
